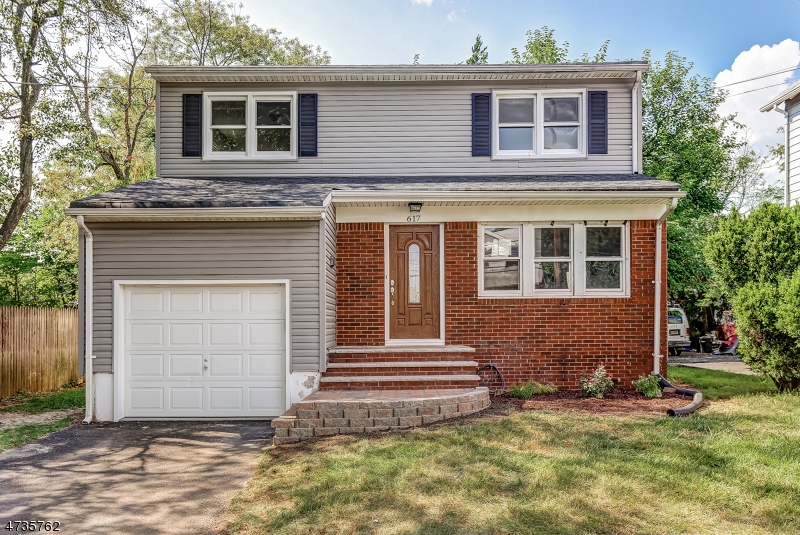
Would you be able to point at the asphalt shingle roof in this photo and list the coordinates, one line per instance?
(311, 191)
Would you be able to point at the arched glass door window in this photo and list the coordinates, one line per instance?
(413, 273)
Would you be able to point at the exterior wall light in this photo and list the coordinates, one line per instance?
(415, 207)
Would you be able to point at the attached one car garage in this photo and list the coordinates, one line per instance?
(201, 349)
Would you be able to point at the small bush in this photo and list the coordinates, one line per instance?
(596, 383)
(531, 388)
(649, 385)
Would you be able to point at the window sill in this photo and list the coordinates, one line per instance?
(226, 158)
(554, 296)
(556, 156)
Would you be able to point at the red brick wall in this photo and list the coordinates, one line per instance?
(359, 284)
(548, 340)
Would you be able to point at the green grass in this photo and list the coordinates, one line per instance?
(733, 467)
(15, 436)
(716, 384)
(74, 398)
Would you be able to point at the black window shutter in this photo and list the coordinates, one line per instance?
(192, 125)
(598, 122)
(481, 124)
(307, 132)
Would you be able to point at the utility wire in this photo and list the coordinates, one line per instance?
(787, 69)
(757, 89)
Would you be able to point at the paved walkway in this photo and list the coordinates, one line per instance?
(709, 361)
(132, 477)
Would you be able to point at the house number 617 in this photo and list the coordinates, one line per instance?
(412, 218)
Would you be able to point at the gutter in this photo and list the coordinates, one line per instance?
(657, 356)
(195, 214)
(402, 195)
(88, 320)
(786, 197)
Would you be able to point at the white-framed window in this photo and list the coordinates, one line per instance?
(538, 124)
(258, 126)
(501, 259)
(554, 259)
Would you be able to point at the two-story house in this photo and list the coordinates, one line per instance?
(790, 100)
(370, 228)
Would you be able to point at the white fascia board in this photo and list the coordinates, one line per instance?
(490, 196)
(194, 214)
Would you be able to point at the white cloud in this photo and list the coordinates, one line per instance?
(451, 16)
(745, 103)
(426, 2)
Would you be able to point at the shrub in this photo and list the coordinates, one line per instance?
(649, 385)
(530, 388)
(596, 383)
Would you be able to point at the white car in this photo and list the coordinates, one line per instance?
(678, 330)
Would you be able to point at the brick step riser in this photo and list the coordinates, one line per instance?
(400, 370)
(398, 385)
(398, 357)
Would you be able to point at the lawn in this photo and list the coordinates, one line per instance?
(16, 436)
(72, 398)
(717, 384)
(733, 467)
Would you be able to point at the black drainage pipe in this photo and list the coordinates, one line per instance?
(697, 398)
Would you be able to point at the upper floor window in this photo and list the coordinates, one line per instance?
(250, 125)
(533, 124)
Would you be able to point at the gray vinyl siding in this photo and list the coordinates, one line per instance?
(395, 129)
(793, 150)
(330, 277)
(208, 251)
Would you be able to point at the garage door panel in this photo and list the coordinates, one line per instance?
(185, 365)
(225, 365)
(186, 334)
(205, 351)
(186, 398)
(146, 399)
(145, 365)
(266, 365)
(225, 399)
(225, 334)
(267, 334)
(145, 334)
(265, 399)
(225, 301)
(182, 302)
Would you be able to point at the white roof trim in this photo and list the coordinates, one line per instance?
(787, 94)
(345, 196)
(395, 73)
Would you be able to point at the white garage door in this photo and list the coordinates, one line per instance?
(204, 351)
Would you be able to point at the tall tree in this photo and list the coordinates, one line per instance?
(541, 47)
(215, 32)
(28, 109)
(479, 54)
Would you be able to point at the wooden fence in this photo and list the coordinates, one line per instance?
(38, 348)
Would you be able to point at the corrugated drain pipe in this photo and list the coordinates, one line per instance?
(88, 319)
(697, 398)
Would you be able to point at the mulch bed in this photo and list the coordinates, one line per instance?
(620, 402)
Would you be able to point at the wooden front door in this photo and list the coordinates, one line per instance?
(414, 281)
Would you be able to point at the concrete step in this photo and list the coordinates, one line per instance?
(398, 382)
(450, 367)
(399, 354)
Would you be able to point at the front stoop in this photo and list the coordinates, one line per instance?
(345, 412)
(400, 368)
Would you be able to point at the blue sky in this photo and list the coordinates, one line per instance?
(728, 41)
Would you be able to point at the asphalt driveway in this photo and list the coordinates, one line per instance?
(132, 477)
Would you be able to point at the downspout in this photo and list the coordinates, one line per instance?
(657, 356)
(786, 198)
(636, 123)
(88, 320)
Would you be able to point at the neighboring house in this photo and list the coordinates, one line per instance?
(790, 100)
(374, 227)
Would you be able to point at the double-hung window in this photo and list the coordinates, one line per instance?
(250, 126)
(535, 124)
(553, 260)
(501, 254)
